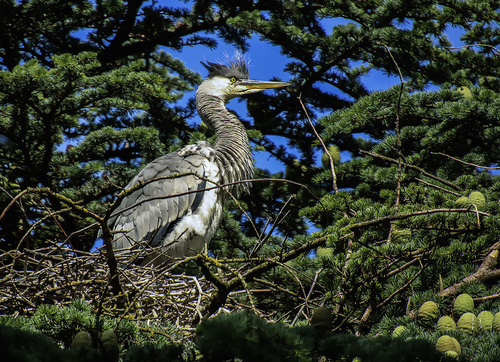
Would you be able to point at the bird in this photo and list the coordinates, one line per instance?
(175, 211)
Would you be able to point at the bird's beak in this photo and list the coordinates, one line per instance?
(260, 85)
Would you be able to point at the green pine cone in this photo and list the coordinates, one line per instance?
(81, 339)
(463, 304)
(110, 348)
(462, 202)
(398, 331)
(496, 322)
(428, 312)
(321, 318)
(468, 323)
(446, 343)
(446, 323)
(478, 199)
(485, 320)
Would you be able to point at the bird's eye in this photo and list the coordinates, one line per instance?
(233, 80)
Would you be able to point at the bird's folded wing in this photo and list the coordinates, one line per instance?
(151, 212)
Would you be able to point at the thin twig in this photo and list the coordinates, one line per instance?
(332, 166)
(308, 296)
(142, 184)
(413, 167)
(488, 297)
(437, 187)
(465, 163)
(259, 245)
(398, 130)
(198, 301)
(477, 45)
(399, 290)
(12, 202)
(363, 224)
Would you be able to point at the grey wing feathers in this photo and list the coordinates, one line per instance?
(146, 215)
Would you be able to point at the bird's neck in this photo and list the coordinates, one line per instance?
(233, 153)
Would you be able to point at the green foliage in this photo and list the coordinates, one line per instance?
(89, 92)
(21, 345)
(76, 332)
(248, 337)
(155, 352)
(242, 336)
(373, 239)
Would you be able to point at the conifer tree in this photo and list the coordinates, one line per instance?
(89, 92)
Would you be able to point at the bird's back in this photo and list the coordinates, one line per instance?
(170, 212)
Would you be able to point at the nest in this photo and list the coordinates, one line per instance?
(58, 275)
(55, 275)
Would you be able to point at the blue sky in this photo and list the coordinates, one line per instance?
(267, 62)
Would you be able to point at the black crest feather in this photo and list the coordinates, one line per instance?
(237, 68)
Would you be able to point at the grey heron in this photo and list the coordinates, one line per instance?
(177, 217)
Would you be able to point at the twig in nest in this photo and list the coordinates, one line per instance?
(278, 220)
(308, 296)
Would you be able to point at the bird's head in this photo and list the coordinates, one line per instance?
(230, 81)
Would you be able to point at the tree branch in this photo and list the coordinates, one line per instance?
(325, 149)
(465, 163)
(408, 215)
(416, 168)
(485, 272)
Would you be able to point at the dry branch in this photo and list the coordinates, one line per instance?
(413, 167)
(485, 272)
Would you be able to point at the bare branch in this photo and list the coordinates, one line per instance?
(398, 129)
(437, 187)
(379, 220)
(332, 166)
(423, 172)
(465, 163)
(485, 272)
(259, 245)
(477, 45)
(12, 202)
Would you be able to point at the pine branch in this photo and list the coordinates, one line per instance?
(495, 50)
(437, 187)
(384, 219)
